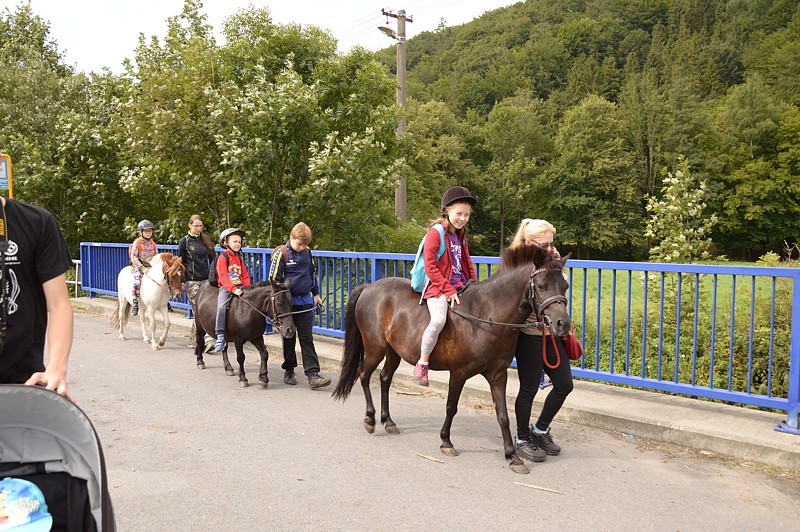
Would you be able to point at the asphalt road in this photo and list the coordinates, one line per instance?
(190, 450)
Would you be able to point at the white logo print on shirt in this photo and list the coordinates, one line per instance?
(11, 258)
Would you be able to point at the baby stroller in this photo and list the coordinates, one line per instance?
(47, 440)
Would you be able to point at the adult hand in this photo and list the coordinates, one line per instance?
(453, 300)
(317, 300)
(52, 380)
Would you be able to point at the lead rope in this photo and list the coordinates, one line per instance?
(544, 346)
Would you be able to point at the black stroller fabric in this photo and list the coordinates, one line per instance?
(48, 440)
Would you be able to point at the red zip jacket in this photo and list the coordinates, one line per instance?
(439, 271)
(234, 263)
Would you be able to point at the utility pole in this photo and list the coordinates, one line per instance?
(400, 192)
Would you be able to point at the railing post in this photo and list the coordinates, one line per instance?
(376, 267)
(793, 408)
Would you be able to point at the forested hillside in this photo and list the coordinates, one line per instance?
(574, 111)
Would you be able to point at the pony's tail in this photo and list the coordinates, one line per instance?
(353, 354)
(115, 315)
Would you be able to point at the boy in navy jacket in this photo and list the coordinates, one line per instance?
(293, 261)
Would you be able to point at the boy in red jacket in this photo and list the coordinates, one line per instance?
(233, 277)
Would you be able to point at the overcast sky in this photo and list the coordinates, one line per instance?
(101, 33)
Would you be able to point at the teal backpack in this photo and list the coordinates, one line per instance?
(419, 279)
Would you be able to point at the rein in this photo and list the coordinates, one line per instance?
(165, 287)
(278, 317)
(543, 322)
(499, 323)
(165, 280)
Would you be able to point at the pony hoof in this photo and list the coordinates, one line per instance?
(156, 347)
(146, 340)
(201, 365)
(230, 372)
(162, 342)
(264, 384)
(391, 429)
(520, 469)
(449, 451)
(370, 428)
(244, 384)
(121, 337)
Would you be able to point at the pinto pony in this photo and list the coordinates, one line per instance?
(384, 321)
(165, 276)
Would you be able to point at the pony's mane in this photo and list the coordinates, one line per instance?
(260, 284)
(510, 258)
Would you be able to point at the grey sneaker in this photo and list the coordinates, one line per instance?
(545, 442)
(288, 378)
(528, 449)
(316, 381)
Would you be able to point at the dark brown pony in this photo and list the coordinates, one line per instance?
(384, 320)
(246, 322)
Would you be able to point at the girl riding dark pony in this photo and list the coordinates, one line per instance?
(382, 323)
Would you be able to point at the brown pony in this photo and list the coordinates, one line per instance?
(385, 320)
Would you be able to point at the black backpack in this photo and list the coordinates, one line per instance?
(213, 279)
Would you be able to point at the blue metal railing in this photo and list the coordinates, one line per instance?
(728, 333)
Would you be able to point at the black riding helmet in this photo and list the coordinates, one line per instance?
(455, 195)
(223, 237)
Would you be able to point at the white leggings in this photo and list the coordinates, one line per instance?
(437, 306)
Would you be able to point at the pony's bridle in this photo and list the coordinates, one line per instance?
(540, 306)
(272, 303)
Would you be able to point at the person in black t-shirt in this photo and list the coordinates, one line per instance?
(36, 262)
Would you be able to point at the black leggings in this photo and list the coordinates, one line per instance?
(529, 367)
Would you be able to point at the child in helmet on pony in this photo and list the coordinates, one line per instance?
(448, 273)
(141, 253)
(233, 277)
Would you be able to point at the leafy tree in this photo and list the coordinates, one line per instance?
(91, 153)
(678, 222)
(440, 157)
(761, 203)
(596, 193)
(519, 148)
(749, 118)
(279, 135)
(643, 109)
(32, 86)
(173, 162)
